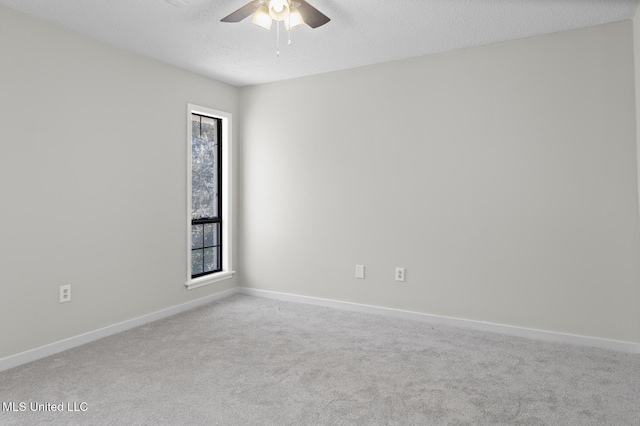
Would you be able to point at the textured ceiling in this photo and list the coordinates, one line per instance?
(361, 32)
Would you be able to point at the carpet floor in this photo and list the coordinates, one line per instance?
(251, 361)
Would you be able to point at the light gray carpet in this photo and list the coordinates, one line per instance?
(252, 361)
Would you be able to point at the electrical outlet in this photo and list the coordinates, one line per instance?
(360, 271)
(65, 293)
(399, 274)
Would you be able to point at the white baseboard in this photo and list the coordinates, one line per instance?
(71, 342)
(529, 333)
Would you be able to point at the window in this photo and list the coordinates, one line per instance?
(209, 233)
(206, 201)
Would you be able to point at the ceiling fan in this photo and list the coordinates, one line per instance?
(293, 13)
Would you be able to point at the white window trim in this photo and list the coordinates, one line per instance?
(227, 208)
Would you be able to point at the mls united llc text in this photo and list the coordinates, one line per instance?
(45, 406)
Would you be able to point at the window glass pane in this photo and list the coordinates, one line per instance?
(197, 234)
(210, 234)
(196, 262)
(210, 259)
(208, 127)
(204, 161)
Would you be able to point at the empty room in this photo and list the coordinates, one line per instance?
(281, 212)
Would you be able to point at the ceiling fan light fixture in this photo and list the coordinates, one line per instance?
(262, 18)
(278, 5)
(294, 20)
(279, 9)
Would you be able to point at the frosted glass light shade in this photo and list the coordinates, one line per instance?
(294, 20)
(279, 10)
(261, 18)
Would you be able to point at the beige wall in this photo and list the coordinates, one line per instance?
(502, 177)
(92, 180)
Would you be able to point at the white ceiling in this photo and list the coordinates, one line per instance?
(361, 32)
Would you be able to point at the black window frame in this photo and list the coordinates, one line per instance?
(216, 220)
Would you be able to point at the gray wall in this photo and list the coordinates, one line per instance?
(502, 177)
(93, 182)
(636, 55)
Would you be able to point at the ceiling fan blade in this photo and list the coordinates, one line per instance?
(245, 11)
(312, 16)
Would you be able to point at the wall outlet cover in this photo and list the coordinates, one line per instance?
(360, 271)
(65, 293)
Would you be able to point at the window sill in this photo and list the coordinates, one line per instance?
(209, 279)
